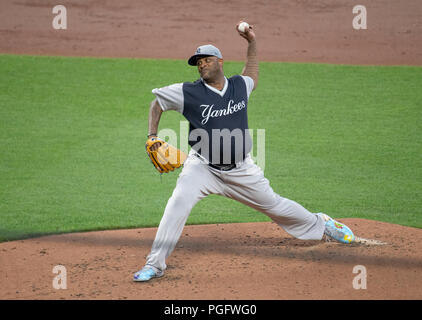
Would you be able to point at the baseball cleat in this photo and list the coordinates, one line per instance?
(337, 230)
(146, 274)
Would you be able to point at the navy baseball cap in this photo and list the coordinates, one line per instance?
(204, 51)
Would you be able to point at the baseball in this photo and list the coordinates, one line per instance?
(242, 26)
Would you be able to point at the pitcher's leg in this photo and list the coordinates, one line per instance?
(296, 220)
(194, 183)
(171, 226)
(249, 186)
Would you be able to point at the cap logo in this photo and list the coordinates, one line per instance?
(198, 50)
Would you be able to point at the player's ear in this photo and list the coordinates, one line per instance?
(221, 62)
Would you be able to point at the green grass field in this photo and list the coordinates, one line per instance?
(345, 140)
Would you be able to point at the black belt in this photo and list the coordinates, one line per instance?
(222, 167)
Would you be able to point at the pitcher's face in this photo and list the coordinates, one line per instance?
(210, 68)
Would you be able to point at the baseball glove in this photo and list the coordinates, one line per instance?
(165, 158)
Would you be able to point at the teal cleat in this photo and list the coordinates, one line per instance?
(146, 274)
(337, 230)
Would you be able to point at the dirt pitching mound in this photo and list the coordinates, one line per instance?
(224, 261)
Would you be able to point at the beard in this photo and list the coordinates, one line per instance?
(209, 74)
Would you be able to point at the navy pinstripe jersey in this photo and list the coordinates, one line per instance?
(218, 121)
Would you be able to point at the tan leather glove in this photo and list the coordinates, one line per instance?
(165, 158)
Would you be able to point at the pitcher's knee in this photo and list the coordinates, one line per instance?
(271, 205)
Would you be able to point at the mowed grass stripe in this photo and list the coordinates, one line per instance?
(340, 139)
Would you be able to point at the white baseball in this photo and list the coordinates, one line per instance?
(243, 26)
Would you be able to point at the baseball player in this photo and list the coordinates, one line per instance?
(219, 161)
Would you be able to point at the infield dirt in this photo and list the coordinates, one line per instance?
(226, 261)
(294, 31)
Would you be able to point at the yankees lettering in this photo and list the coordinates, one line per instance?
(220, 163)
(231, 107)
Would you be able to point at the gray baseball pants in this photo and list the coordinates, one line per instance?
(245, 183)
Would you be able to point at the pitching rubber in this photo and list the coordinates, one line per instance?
(368, 242)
